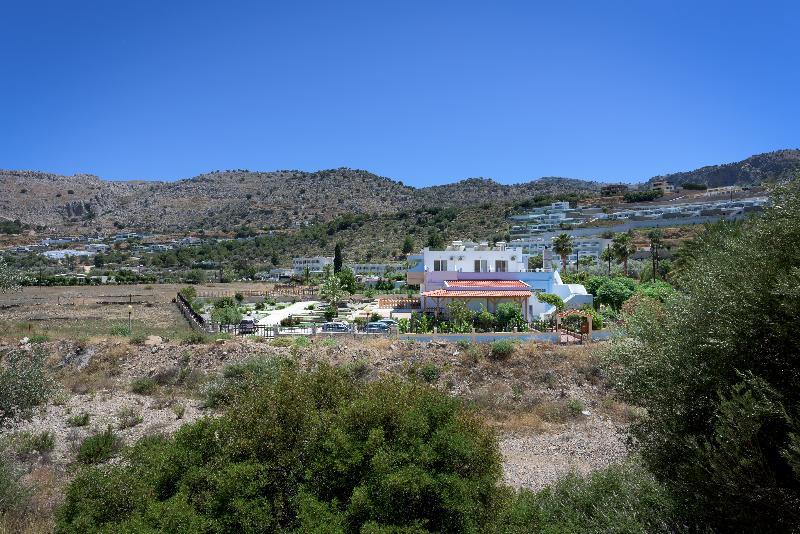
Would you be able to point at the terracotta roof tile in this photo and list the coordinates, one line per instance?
(476, 294)
(486, 283)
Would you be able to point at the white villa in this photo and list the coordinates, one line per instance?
(485, 276)
(314, 264)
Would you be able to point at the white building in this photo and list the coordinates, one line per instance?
(483, 277)
(374, 269)
(314, 264)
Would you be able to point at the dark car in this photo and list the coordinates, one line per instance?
(247, 326)
(377, 328)
(335, 328)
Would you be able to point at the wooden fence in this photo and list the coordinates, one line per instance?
(398, 303)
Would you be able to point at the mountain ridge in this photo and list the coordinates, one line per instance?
(221, 200)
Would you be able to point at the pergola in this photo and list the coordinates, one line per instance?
(492, 292)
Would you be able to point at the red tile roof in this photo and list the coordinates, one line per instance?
(476, 294)
(487, 283)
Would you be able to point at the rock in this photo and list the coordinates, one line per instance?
(153, 340)
(24, 341)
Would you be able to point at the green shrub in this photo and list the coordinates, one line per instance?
(189, 293)
(302, 341)
(282, 342)
(128, 417)
(143, 386)
(575, 406)
(429, 372)
(464, 344)
(39, 338)
(239, 378)
(121, 330)
(24, 384)
(715, 366)
(81, 419)
(502, 349)
(619, 499)
(13, 493)
(358, 369)
(29, 443)
(304, 452)
(553, 300)
(195, 337)
(98, 447)
(179, 410)
(226, 315)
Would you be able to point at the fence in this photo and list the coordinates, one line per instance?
(398, 303)
(196, 320)
(275, 291)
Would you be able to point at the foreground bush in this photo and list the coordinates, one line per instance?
(24, 384)
(311, 452)
(716, 367)
(621, 498)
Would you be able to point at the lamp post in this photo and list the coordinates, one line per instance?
(130, 320)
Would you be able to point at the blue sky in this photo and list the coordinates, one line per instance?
(424, 92)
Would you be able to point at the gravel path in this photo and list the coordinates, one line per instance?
(537, 459)
(275, 317)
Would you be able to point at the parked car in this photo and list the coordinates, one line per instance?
(335, 328)
(247, 326)
(377, 328)
(391, 322)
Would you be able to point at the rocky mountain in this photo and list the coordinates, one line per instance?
(771, 166)
(228, 199)
(224, 200)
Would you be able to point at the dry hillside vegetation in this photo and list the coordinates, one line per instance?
(550, 406)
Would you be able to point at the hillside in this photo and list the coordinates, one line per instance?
(771, 166)
(223, 200)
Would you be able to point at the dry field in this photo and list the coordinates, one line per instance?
(93, 311)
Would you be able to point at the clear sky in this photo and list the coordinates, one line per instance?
(425, 92)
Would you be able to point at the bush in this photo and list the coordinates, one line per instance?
(195, 337)
(575, 406)
(13, 494)
(623, 498)
(128, 417)
(189, 293)
(24, 384)
(99, 447)
(715, 366)
(30, 443)
(501, 349)
(304, 452)
(226, 315)
(121, 330)
(143, 386)
(429, 372)
(239, 378)
(39, 338)
(553, 300)
(81, 419)
(179, 410)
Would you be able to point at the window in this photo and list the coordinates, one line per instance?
(439, 265)
(481, 266)
(500, 266)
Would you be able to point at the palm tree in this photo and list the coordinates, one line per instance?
(562, 245)
(656, 242)
(623, 248)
